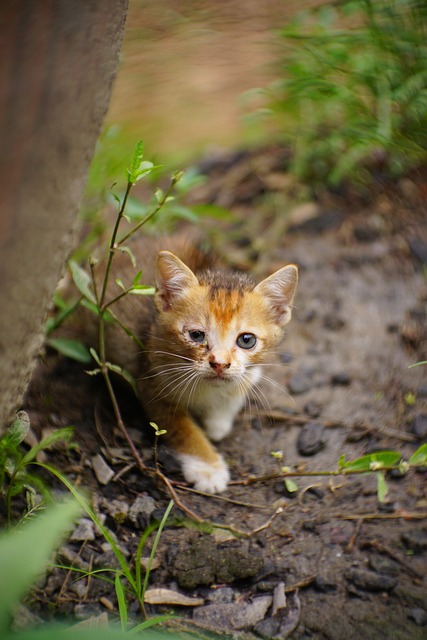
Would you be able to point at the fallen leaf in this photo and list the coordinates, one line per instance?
(167, 596)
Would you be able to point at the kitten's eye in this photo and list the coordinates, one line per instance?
(197, 336)
(246, 341)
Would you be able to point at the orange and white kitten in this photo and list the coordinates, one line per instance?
(205, 334)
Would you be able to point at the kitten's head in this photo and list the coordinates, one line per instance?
(223, 322)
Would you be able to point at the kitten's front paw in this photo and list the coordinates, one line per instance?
(208, 478)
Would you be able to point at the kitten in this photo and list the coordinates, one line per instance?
(205, 333)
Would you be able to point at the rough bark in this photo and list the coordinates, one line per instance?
(57, 64)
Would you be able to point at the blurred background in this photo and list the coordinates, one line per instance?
(185, 67)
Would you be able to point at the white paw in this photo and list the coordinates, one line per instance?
(208, 478)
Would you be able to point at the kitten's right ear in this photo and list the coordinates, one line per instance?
(172, 278)
(279, 290)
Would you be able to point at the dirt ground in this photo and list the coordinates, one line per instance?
(327, 561)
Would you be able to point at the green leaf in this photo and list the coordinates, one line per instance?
(123, 373)
(70, 348)
(18, 430)
(142, 290)
(382, 488)
(373, 461)
(129, 252)
(120, 283)
(60, 435)
(291, 485)
(159, 195)
(420, 456)
(341, 462)
(121, 601)
(95, 356)
(137, 278)
(25, 552)
(135, 162)
(82, 280)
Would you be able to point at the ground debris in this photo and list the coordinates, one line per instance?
(204, 562)
(234, 615)
(102, 471)
(168, 596)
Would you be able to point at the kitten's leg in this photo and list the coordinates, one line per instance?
(202, 465)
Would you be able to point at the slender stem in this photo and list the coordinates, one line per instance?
(150, 215)
(110, 302)
(113, 243)
(308, 474)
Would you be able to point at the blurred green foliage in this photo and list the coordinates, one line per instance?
(352, 92)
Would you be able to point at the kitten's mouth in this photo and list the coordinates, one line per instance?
(218, 378)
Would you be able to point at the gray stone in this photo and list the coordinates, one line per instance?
(419, 426)
(224, 595)
(102, 471)
(85, 530)
(235, 615)
(117, 509)
(267, 628)
(415, 596)
(142, 508)
(419, 616)
(370, 581)
(416, 540)
(299, 383)
(384, 565)
(310, 439)
(341, 379)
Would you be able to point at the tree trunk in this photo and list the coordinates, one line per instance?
(58, 59)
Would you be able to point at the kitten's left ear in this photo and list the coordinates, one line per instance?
(279, 290)
(172, 278)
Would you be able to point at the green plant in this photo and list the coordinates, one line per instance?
(24, 553)
(136, 582)
(15, 475)
(353, 98)
(378, 463)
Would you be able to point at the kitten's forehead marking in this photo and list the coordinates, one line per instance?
(224, 305)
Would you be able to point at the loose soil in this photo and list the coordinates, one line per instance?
(326, 561)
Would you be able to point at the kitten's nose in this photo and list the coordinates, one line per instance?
(219, 367)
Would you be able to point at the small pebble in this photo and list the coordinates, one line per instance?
(311, 439)
(419, 616)
(102, 471)
(220, 596)
(313, 409)
(267, 628)
(84, 611)
(299, 383)
(384, 565)
(318, 492)
(341, 379)
(370, 581)
(416, 540)
(85, 530)
(324, 585)
(333, 322)
(141, 510)
(418, 426)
